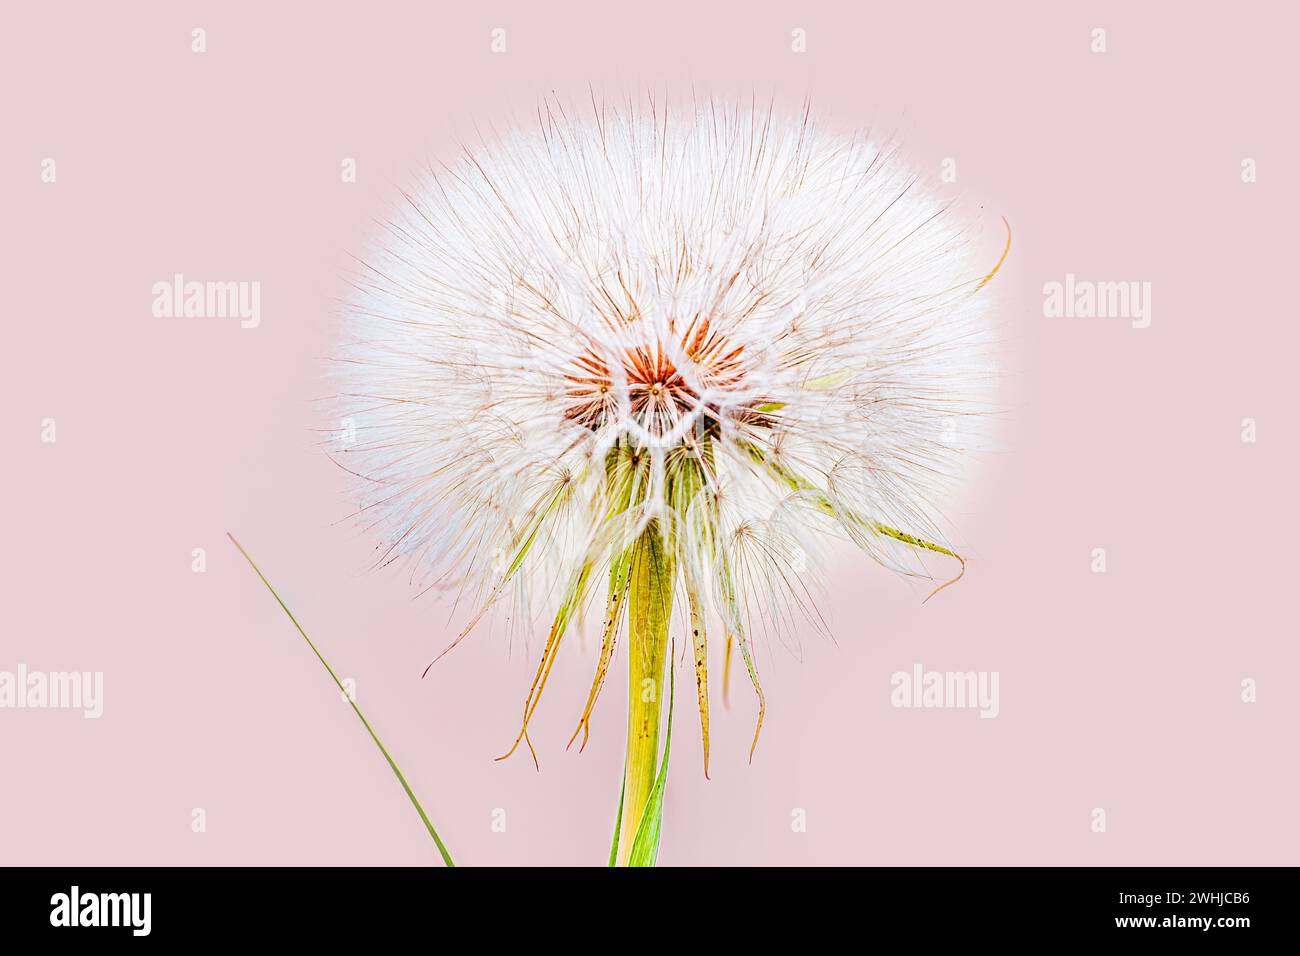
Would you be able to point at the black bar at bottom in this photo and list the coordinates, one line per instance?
(580, 907)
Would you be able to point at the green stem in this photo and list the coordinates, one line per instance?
(650, 607)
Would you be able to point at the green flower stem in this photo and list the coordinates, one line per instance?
(650, 607)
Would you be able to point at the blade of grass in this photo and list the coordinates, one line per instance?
(428, 824)
(618, 824)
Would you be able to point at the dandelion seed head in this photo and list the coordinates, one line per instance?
(717, 318)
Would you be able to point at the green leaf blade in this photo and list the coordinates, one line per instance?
(424, 817)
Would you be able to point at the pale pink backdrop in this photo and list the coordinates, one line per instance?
(1119, 691)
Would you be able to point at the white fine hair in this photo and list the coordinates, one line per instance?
(716, 318)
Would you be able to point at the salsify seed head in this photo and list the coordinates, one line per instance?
(715, 321)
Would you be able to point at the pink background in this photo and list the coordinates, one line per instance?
(1118, 690)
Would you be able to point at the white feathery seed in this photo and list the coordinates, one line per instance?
(720, 317)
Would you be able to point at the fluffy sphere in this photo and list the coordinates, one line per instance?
(717, 321)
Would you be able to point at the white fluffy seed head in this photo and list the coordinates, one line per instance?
(720, 320)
